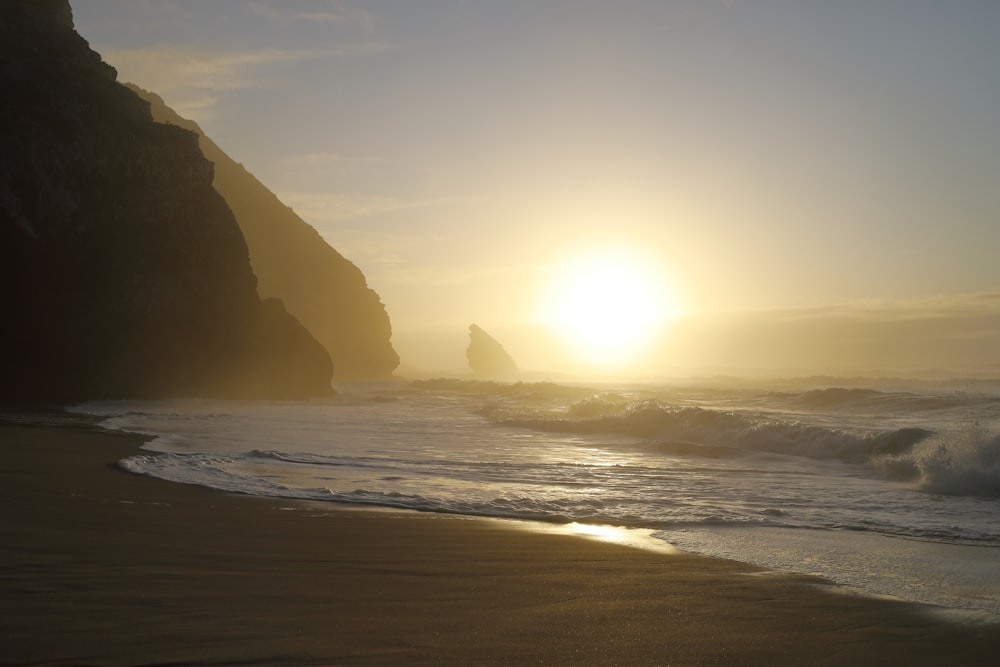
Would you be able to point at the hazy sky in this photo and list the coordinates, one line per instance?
(794, 157)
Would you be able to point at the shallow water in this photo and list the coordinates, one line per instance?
(892, 491)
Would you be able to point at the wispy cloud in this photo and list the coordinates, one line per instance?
(193, 81)
(331, 162)
(365, 228)
(916, 336)
(327, 12)
(127, 16)
(933, 306)
(324, 208)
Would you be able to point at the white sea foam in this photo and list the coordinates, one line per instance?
(699, 465)
(950, 576)
(962, 461)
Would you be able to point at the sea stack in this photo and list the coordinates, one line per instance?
(123, 273)
(487, 358)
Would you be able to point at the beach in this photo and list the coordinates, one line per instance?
(102, 567)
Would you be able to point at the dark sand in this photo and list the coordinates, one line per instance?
(106, 568)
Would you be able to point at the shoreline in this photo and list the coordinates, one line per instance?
(105, 567)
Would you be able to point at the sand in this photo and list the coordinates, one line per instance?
(101, 567)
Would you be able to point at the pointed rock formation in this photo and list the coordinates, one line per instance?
(487, 358)
(123, 272)
(325, 291)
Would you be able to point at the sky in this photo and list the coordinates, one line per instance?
(812, 186)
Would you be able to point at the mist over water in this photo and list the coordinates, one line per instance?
(812, 479)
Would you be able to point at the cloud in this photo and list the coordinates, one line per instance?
(958, 331)
(331, 214)
(320, 208)
(327, 12)
(126, 17)
(927, 307)
(331, 162)
(194, 80)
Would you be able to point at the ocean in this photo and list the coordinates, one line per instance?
(889, 489)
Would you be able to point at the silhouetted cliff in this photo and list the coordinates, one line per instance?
(325, 291)
(122, 271)
(487, 358)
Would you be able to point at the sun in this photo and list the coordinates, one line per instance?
(609, 304)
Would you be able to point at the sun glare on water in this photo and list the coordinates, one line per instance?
(609, 305)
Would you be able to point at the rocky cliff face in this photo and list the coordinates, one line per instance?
(487, 358)
(122, 271)
(325, 291)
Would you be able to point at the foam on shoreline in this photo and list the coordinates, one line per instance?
(106, 567)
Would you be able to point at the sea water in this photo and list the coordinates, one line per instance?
(893, 490)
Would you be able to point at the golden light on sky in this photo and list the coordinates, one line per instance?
(784, 164)
(608, 304)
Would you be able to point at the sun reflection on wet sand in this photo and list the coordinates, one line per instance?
(639, 538)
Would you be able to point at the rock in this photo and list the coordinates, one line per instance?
(325, 291)
(280, 370)
(123, 273)
(487, 358)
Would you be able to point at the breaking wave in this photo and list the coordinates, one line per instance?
(964, 462)
(699, 431)
(487, 388)
(873, 400)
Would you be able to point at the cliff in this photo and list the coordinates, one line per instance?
(325, 291)
(123, 273)
(487, 358)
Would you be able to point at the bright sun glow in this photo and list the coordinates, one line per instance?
(609, 304)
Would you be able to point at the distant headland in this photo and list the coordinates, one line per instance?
(124, 273)
(325, 291)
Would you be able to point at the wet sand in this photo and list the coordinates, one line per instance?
(101, 567)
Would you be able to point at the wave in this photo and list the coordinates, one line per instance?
(832, 397)
(239, 473)
(489, 388)
(684, 448)
(964, 462)
(705, 432)
(646, 507)
(888, 402)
